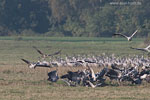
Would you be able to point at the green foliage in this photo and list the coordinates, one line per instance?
(90, 18)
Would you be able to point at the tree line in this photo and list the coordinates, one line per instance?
(89, 18)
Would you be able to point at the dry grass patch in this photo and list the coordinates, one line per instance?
(22, 83)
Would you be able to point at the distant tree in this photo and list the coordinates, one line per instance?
(25, 14)
(74, 17)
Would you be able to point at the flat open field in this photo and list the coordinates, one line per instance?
(18, 82)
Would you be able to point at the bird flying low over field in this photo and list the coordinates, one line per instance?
(46, 55)
(40, 52)
(129, 38)
(56, 53)
(146, 49)
(30, 65)
(37, 64)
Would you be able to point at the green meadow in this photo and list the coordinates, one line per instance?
(14, 48)
(18, 82)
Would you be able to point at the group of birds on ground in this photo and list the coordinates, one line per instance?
(87, 77)
(132, 69)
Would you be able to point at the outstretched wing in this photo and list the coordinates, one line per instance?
(92, 73)
(38, 50)
(67, 82)
(56, 53)
(138, 48)
(114, 67)
(148, 47)
(91, 84)
(134, 33)
(26, 61)
(121, 35)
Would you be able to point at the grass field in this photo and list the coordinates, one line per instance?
(18, 82)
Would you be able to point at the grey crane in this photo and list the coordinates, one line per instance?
(30, 65)
(129, 38)
(36, 64)
(146, 49)
(53, 76)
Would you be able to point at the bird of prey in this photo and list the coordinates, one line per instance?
(129, 38)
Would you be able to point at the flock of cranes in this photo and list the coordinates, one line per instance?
(133, 69)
